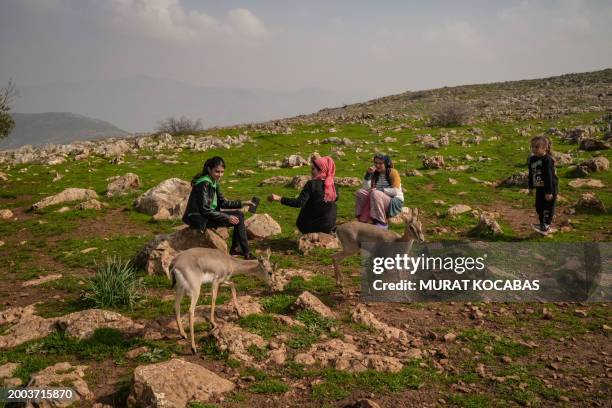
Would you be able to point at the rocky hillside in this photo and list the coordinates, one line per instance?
(56, 128)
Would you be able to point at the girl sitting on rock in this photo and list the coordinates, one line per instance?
(381, 196)
(206, 202)
(317, 200)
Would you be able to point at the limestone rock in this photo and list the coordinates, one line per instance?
(123, 185)
(487, 225)
(308, 242)
(236, 341)
(516, 180)
(6, 214)
(84, 323)
(596, 164)
(28, 327)
(68, 376)
(309, 301)
(593, 183)
(167, 200)
(174, 383)
(158, 253)
(562, 159)
(589, 202)
(42, 279)
(283, 276)
(262, 226)
(361, 314)
(299, 181)
(276, 180)
(433, 162)
(294, 160)
(591, 144)
(348, 181)
(69, 194)
(92, 204)
(458, 209)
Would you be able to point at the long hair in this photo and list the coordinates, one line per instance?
(388, 167)
(208, 165)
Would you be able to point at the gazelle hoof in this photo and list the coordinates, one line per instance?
(194, 351)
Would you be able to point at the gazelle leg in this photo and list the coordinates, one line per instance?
(336, 258)
(215, 290)
(192, 305)
(177, 311)
(234, 297)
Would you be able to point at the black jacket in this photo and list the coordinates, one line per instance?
(316, 215)
(201, 198)
(542, 174)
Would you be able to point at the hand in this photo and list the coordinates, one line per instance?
(548, 197)
(233, 220)
(371, 169)
(274, 197)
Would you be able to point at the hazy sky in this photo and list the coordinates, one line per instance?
(379, 47)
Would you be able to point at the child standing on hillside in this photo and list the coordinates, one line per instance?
(543, 178)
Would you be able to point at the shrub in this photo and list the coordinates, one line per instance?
(450, 114)
(179, 126)
(114, 285)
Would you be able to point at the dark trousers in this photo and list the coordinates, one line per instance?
(239, 235)
(545, 208)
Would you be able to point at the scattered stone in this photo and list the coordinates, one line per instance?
(450, 337)
(345, 356)
(546, 314)
(88, 250)
(42, 279)
(579, 183)
(596, 164)
(581, 313)
(299, 182)
(65, 375)
(362, 315)
(134, 353)
(589, 202)
(309, 301)
(175, 383)
(276, 180)
(434, 162)
(283, 276)
(452, 181)
(69, 194)
(348, 181)
(562, 159)
(237, 341)
(487, 225)
(6, 214)
(63, 209)
(123, 185)
(294, 160)
(308, 242)
(262, 226)
(83, 324)
(414, 173)
(92, 204)
(244, 173)
(167, 200)
(516, 180)
(458, 209)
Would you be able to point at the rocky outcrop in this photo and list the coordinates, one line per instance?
(166, 201)
(362, 315)
(69, 194)
(27, 327)
(64, 375)
(174, 383)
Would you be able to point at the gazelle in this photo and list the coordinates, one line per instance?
(354, 233)
(195, 266)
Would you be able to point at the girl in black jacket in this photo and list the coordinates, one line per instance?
(205, 204)
(543, 178)
(317, 200)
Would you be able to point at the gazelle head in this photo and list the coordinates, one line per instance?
(266, 268)
(414, 228)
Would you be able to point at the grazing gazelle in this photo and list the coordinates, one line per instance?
(353, 234)
(195, 266)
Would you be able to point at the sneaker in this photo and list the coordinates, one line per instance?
(545, 228)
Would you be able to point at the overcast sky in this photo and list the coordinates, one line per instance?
(378, 47)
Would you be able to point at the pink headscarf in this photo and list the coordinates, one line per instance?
(328, 171)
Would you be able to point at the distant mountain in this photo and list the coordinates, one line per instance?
(56, 127)
(137, 104)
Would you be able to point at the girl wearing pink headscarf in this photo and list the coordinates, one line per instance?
(317, 200)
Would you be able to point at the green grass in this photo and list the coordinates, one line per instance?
(501, 346)
(114, 285)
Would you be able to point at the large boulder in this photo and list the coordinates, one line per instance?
(167, 200)
(69, 194)
(84, 323)
(308, 301)
(262, 226)
(308, 242)
(27, 327)
(158, 253)
(123, 184)
(174, 383)
(64, 375)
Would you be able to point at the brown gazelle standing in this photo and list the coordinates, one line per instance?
(195, 266)
(354, 233)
